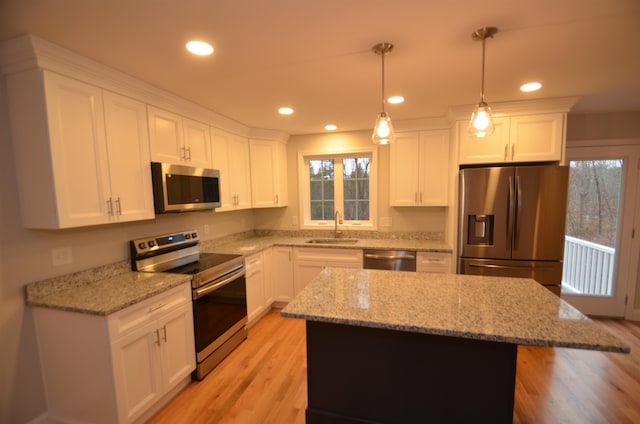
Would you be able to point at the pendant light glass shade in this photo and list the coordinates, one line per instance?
(481, 123)
(383, 129)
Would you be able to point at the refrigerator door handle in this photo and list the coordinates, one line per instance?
(472, 265)
(510, 205)
(516, 217)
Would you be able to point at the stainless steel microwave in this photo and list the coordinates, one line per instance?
(179, 188)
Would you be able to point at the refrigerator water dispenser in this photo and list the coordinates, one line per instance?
(480, 230)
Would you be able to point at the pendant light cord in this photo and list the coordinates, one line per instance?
(484, 41)
(383, 54)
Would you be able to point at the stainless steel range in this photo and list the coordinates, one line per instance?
(218, 290)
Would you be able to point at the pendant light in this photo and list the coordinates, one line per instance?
(481, 123)
(383, 130)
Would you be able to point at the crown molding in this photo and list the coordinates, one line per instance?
(28, 52)
(524, 107)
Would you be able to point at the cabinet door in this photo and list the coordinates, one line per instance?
(282, 274)
(128, 146)
(268, 173)
(490, 149)
(434, 168)
(239, 171)
(267, 268)
(263, 170)
(197, 141)
(281, 175)
(137, 376)
(220, 141)
(175, 331)
(78, 152)
(537, 137)
(404, 169)
(166, 136)
(304, 272)
(255, 286)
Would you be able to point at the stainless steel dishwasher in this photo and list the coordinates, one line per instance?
(394, 260)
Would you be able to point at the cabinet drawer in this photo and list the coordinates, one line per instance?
(433, 262)
(131, 318)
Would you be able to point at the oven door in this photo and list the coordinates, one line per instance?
(219, 311)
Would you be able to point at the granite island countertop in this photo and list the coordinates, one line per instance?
(508, 310)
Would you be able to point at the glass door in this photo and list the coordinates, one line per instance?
(600, 247)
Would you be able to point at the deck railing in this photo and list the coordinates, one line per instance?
(588, 267)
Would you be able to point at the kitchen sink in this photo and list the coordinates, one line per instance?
(332, 241)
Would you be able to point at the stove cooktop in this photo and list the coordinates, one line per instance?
(207, 261)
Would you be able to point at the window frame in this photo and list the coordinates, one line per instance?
(305, 196)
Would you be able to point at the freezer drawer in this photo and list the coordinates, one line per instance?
(544, 272)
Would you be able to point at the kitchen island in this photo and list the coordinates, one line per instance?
(396, 347)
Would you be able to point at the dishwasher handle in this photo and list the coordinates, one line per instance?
(389, 257)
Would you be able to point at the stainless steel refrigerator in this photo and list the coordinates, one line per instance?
(511, 222)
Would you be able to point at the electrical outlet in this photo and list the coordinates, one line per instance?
(61, 256)
(207, 230)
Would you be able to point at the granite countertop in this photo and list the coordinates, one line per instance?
(104, 296)
(109, 288)
(509, 310)
(252, 245)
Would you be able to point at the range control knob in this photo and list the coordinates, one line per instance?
(194, 235)
(187, 236)
(152, 243)
(142, 245)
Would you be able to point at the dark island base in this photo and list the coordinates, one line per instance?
(366, 375)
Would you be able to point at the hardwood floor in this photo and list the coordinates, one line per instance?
(264, 381)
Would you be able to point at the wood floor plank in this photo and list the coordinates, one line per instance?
(264, 381)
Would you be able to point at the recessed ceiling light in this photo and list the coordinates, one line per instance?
(395, 100)
(330, 127)
(285, 111)
(530, 86)
(200, 48)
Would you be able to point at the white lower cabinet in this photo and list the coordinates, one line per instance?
(119, 368)
(439, 262)
(282, 274)
(259, 284)
(309, 261)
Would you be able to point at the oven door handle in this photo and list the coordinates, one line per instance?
(203, 291)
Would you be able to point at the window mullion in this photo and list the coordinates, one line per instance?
(338, 188)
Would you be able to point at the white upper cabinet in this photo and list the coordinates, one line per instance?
(74, 168)
(527, 138)
(231, 158)
(268, 173)
(419, 166)
(179, 140)
(128, 146)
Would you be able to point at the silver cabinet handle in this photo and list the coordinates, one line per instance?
(109, 207)
(157, 337)
(189, 155)
(164, 333)
(506, 151)
(513, 151)
(118, 207)
(184, 152)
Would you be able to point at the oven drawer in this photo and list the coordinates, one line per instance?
(131, 318)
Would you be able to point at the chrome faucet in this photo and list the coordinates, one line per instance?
(337, 219)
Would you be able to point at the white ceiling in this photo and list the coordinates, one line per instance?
(316, 57)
